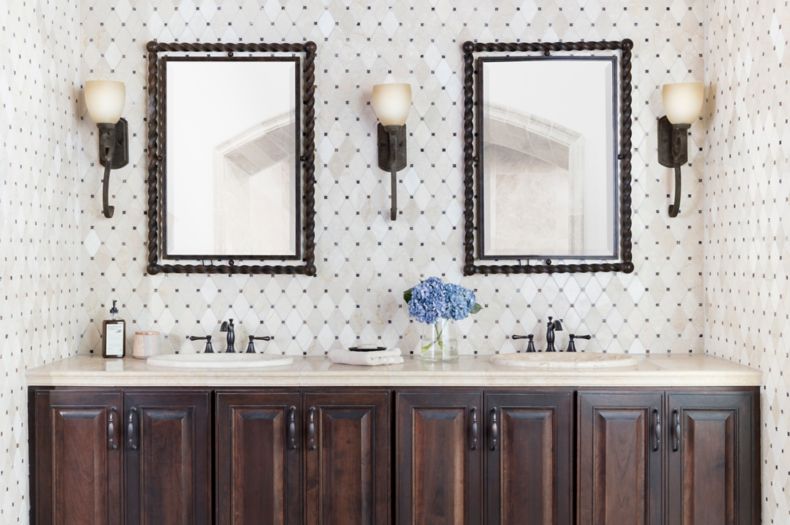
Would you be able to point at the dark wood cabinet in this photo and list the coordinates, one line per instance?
(462, 456)
(713, 477)
(439, 458)
(77, 470)
(619, 449)
(167, 457)
(263, 439)
(258, 458)
(347, 458)
(529, 454)
(694, 455)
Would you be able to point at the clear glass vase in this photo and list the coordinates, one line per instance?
(438, 341)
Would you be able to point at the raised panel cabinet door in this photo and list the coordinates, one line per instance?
(620, 441)
(77, 469)
(528, 456)
(347, 458)
(258, 458)
(167, 457)
(713, 458)
(439, 442)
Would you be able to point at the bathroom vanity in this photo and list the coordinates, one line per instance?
(666, 440)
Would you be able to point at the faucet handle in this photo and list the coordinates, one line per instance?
(530, 343)
(209, 349)
(253, 338)
(572, 344)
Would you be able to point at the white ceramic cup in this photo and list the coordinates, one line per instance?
(146, 344)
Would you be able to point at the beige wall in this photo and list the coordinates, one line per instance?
(747, 214)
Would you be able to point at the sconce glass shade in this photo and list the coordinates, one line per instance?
(105, 100)
(391, 103)
(683, 101)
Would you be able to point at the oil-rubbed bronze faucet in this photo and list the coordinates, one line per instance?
(253, 338)
(530, 343)
(553, 325)
(209, 349)
(571, 341)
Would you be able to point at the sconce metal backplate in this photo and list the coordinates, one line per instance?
(392, 158)
(672, 143)
(386, 161)
(673, 153)
(120, 151)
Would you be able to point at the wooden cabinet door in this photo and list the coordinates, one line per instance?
(529, 451)
(439, 460)
(77, 468)
(167, 457)
(258, 458)
(619, 446)
(347, 458)
(713, 459)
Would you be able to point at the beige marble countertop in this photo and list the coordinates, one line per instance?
(652, 371)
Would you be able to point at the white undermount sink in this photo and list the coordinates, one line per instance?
(222, 360)
(561, 361)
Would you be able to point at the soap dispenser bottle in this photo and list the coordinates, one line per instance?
(114, 334)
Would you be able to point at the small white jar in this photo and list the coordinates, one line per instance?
(146, 344)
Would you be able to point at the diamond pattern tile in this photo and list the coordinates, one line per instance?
(364, 260)
(747, 223)
(43, 249)
(720, 263)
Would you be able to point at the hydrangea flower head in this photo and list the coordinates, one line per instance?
(432, 300)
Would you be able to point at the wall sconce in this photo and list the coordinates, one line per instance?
(683, 104)
(391, 103)
(105, 100)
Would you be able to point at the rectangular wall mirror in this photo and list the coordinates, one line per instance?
(548, 157)
(232, 176)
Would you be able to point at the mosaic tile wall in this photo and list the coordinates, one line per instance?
(364, 260)
(747, 218)
(41, 301)
(61, 262)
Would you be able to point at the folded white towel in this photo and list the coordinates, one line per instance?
(380, 357)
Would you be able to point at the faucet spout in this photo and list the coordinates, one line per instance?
(552, 326)
(227, 326)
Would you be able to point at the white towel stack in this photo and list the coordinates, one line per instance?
(378, 357)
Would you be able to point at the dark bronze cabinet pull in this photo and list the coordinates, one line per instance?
(473, 430)
(131, 430)
(493, 429)
(311, 430)
(656, 430)
(112, 429)
(291, 438)
(675, 430)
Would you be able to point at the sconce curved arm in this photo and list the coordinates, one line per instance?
(107, 210)
(106, 148)
(674, 208)
(393, 139)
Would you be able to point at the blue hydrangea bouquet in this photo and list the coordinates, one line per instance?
(436, 303)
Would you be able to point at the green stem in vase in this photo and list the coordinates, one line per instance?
(437, 341)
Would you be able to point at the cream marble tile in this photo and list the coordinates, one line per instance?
(62, 262)
(747, 217)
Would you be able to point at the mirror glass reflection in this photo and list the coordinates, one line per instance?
(549, 166)
(232, 169)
